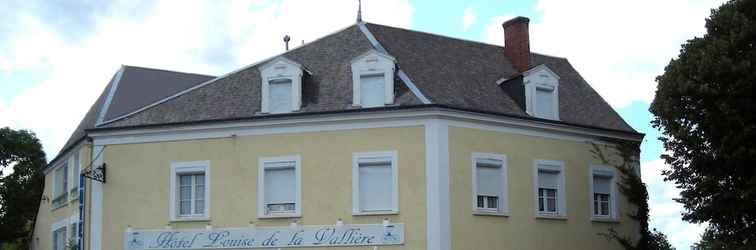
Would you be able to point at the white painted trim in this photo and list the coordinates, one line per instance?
(437, 185)
(403, 76)
(111, 93)
(503, 206)
(361, 157)
(608, 171)
(532, 81)
(261, 185)
(383, 65)
(95, 221)
(354, 121)
(551, 165)
(289, 70)
(189, 167)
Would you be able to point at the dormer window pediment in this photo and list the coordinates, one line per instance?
(373, 79)
(541, 92)
(281, 86)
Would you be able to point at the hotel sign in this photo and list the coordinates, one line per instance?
(267, 237)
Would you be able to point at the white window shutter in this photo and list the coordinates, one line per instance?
(375, 186)
(280, 185)
(602, 184)
(372, 90)
(544, 107)
(280, 96)
(488, 179)
(548, 179)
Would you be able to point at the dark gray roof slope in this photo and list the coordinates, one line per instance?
(139, 87)
(237, 95)
(450, 72)
(463, 74)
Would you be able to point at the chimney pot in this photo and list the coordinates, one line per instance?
(517, 42)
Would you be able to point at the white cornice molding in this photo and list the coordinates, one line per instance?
(342, 121)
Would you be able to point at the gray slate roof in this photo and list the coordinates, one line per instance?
(448, 71)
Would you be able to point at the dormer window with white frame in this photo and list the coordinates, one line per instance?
(281, 86)
(542, 92)
(373, 79)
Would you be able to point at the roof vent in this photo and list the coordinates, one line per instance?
(286, 40)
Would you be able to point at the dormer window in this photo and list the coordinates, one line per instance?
(373, 80)
(281, 86)
(542, 93)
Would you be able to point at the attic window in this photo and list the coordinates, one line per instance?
(542, 93)
(281, 86)
(373, 80)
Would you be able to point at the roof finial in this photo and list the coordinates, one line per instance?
(359, 11)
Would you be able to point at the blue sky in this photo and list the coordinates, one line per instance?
(56, 57)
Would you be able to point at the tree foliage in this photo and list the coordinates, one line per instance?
(20, 191)
(624, 156)
(704, 106)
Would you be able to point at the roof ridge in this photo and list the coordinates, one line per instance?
(167, 70)
(208, 82)
(457, 38)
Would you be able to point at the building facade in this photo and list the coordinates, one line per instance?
(372, 137)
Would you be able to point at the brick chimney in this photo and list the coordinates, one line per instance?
(517, 42)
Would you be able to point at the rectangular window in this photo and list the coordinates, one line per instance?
(602, 196)
(372, 90)
(73, 235)
(544, 102)
(74, 193)
(280, 92)
(279, 184)
(60, 187)
(490, 183)
(549, 188)
(375, 183)
(190, 190)
(59, 238)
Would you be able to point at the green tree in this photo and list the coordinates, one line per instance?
(20, 191)
(704, 106)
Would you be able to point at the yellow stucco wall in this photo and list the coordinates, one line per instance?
(521, 230)
(46, 216)
(137, 189)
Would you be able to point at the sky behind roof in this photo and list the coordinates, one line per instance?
(57, 56)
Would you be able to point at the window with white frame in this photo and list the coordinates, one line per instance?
(74, 192)
(60, 186)
(59, 238)
(542, 92)
(375, 183)
(490, 183)
(549, 188)
(281, 86)
(190, 192)
(602, 192)
(279, 187)
(59, 234)
(373, 79)
(73, 234)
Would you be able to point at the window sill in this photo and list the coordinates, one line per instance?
(190, 219)
(490, 213)
(550, 217)
(604, 220)
(279, 216)
(364, 213)
(55, 207)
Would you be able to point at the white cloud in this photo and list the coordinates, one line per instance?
(665, 212)
(468, 18)
(195, 36)
(618, 46)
